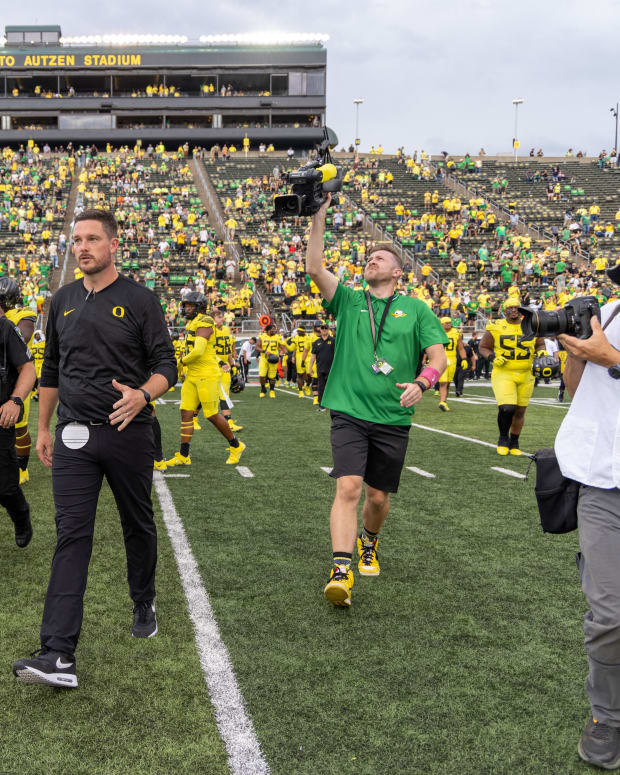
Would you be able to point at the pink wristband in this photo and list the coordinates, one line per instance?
(431, 374)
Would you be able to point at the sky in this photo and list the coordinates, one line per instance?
(438, 76)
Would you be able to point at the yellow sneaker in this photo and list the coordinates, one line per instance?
(234, 427)
(197, 426)
(24, 476)
(502, 450)
(369, 562)
(515, 451)
(338, 588)
(301, 393)
(159, 465)
(315, 401)
(272, 394)
(178, 460)
(235, 454)
(262, 395)
(443, 405)
(307, 390)
(503, 447)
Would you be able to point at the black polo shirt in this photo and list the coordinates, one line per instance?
(323, 350)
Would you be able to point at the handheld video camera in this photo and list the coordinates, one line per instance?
(573, 319)
(310, 185)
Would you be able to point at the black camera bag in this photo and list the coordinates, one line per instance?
(556, 495)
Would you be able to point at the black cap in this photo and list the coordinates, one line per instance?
(614, 274)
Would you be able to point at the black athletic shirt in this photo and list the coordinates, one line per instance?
(13, 353)
(91, 338)
(323, 349)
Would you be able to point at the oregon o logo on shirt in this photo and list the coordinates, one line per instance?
(118, 312)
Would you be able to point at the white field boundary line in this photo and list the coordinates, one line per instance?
(421, 472)
(235, 726)
(245, 472)
(293, 393)
(454, 435)
(327, 469)
(508, 471)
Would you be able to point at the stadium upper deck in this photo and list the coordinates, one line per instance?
(160, 88)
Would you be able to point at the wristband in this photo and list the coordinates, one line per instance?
(146, 395)
(421, 385)
(431, 374)
(17, 400)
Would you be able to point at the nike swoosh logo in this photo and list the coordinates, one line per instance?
(69, 311)
(362, 310)
(62, 665)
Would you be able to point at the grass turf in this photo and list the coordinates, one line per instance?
(464, 656)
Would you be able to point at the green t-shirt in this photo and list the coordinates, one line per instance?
(353, 388)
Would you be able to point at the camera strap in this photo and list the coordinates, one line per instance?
(612, 316)
(376, 335)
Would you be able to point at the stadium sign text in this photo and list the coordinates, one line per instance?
(71, 60)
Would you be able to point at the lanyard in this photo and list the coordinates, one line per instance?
(376, 335)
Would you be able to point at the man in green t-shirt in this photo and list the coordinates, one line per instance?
(372, 387)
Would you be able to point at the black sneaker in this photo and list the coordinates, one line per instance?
(144, 620)
(560, 396)
(600, 745)
(47, 667)
(23, 532)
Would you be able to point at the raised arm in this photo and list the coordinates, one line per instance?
(324, 279)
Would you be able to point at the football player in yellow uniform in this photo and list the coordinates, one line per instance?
(561, 356)
(38, 349)
(312, 377)
(225, 351)
(24, 319)
(512, 378)
(202, 383)
(454, 349)
(269, 346)
(299, 342)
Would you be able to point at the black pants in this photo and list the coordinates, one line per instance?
(459, 379)
(11, 495)
(291, 370)
(323, 375)
(125, 458)
(482, 364)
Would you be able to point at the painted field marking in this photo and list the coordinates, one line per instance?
(295, 393)
(245, 472)
(177, 476)
(508, 472)
(326, 469)
(421, 472)
(234, 724)
(454, 435)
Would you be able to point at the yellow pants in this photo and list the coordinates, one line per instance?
(266, 369)
(448, 374)
(201, 391)
(512, 387)
(23, 423)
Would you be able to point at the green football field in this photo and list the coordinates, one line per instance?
(465, 656)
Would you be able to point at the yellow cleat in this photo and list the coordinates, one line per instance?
(234, 427)
(235, 454)
(272, 394)
(307, 390)
(301, 393)
(262, 395)
(515, 451)
(24, 476)
(178, 460)
(338, 588)
(443, 405)
(197, 426)
(315, 401)
(502, 450)
(369, 562)
(159, 465)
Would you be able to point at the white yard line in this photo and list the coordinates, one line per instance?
(245, 472)
(177, 476)
(421, 472)
(293, 393)
(454, 435)
(326, 469)
(235, 726)
(508, 472)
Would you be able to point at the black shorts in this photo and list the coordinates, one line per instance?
(371, 450)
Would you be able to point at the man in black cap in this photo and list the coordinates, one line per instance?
(17, 378)
(108, 354)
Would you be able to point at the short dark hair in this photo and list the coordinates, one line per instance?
(105, 218)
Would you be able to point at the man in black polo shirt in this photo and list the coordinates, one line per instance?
(372, 387)
(108, 354)
(323, 353)
(17, 378)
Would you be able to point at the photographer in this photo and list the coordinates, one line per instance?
(371, 391)
(587, 450)
(17, 378)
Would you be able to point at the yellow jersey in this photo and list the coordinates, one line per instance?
(224, 343)
(299, 342)
(453, 337)
(509, 342)
(207, 365)
(270, 345)
(37, 349)
(17, 314)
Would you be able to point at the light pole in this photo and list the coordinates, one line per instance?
(614, 112)
(515, 141)
(357, 104)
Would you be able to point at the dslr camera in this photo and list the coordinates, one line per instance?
(573, 319)
(310, 185)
